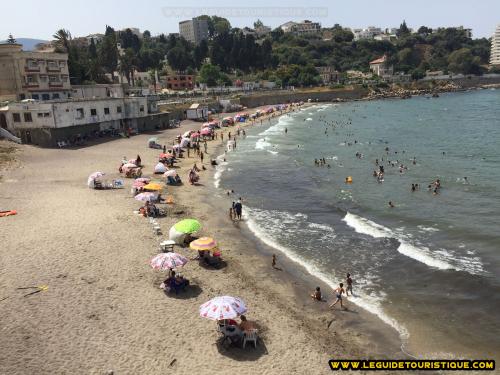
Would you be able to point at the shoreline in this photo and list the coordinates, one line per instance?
(103, 310)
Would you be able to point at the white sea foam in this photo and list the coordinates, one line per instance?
(221, 167)
(440, 258)
(427, 229)
(273, 152)
(262, 144)
(309, 119)
(369, 302)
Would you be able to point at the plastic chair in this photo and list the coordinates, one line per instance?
(250, 335)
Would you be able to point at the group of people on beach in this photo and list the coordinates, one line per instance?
(338, 292)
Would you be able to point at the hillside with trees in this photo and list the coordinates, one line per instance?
(282, 57)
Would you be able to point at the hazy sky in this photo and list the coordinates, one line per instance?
(40, 18)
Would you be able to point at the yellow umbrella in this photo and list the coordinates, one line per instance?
(153, 186)
(203, 244)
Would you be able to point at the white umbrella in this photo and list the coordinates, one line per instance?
(225, 307)
(146, 197)
(160, 168)
(170, 173)
(176, 236)
(187, 134)
(129, 165)
(93, 177)
(185, 142)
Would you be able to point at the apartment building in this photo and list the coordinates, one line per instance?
(194, 30)
(303, 28)
(33, 75)
(495, 48)
(180, 82)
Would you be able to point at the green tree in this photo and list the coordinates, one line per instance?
(258, 23)
(463, 61)
(108, 52)
(403, 30)
(62, 40)
(209, 74)
(179, 59)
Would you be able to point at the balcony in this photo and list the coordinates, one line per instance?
(55, 84)
(53, 68)
(30, 85)
(31, 68)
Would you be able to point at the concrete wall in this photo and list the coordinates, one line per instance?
(322, 96)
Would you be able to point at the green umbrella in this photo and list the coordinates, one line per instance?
(187, 226)
(154, 139)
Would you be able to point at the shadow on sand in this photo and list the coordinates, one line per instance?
(192, 291)
(236, 352)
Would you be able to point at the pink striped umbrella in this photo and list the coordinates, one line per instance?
(225, 307)
(168, 261)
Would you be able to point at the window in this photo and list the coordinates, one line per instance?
(46, 114)
(55, 96)
(62, 63)
(106, 111)
(119, 109)
(39, 114)
(141, 108)
(27, 117)
(16, 117)
(93, 112)
(80, 113)
(45, 97)
(43, 78)
(53, 78)
(35, 96)
(64, 78)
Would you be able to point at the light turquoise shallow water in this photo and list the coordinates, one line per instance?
(430, 267)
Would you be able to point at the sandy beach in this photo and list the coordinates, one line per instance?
(103, 311)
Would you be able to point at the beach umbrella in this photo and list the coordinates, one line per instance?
(203, 244)
(170, 173)
(168, 261)
(188, 226)
(146, 197)
(153, 140)
(195, 135)
(138, 184)
(94, 176)
(185, 142)
(166, 156)
(187, 134)
(160, 168)
(153, 186)
(143, 179)
(129, 165)
(206, 131)
(176, 236)
(225, 307)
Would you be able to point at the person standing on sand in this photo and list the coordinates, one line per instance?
(338, 295)
(222, 137)
(164, 149)
(205, 145)
(201, 156)
(274, 261)
(231, 212)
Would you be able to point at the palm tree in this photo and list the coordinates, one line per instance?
(62, 39)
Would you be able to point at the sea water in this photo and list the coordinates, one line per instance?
(430, 266)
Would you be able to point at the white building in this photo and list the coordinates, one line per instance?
(305, 27)
(47, 123)
(495, 48)
(194, 30)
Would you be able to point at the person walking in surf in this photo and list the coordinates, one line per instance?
(338, 295)
(348, 281)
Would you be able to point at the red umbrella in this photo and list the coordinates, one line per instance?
(166, 156)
